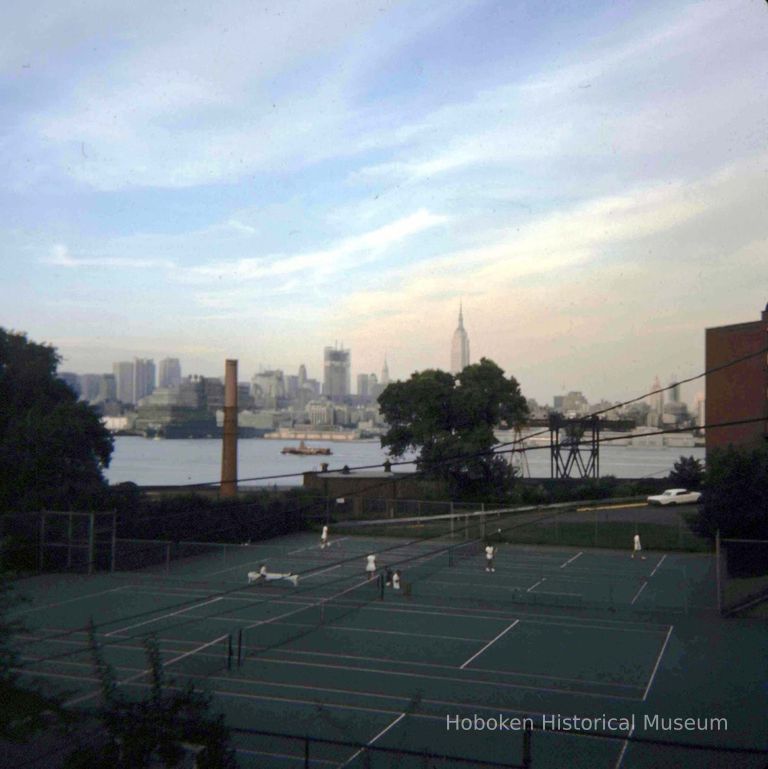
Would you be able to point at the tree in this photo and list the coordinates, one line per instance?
(687, 472)
(155, 730)
(449, 420)
(735, 494)
(52, 447)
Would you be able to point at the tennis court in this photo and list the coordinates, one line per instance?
(595, 650)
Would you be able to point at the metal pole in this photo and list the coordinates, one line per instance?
(306, 753)
(527, 736)
(90, 543)
(69, 540)
(718, 576)
(41, 556)
(167, 557)
(114, 542)
(239, 647)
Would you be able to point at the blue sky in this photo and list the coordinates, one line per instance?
(258, 180)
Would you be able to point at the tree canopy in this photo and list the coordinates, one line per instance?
(52, 447)
(449, 420)
(735, 493)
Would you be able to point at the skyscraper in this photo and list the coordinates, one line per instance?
(170, 373)
(385, 373)
(459, 346)
(143, 378)
(336, 374)
(123, 372)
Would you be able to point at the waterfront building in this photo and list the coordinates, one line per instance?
(124, 381)
(268, 388)
(143, 378)
(337, 374)
(320, 412)
(89, 386)
(739, 391)
(459, 346)
(169, 374)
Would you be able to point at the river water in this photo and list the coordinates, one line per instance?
(178, 462)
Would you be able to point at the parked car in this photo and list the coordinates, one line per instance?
(675, 497)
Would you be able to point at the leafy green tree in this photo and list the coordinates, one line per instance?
(687, 472)
(449, 420)
(154, 731)
(735, 494)
(52, 447)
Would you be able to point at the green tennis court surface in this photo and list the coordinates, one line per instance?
(553, 635)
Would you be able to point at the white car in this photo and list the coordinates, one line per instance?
(675, 497)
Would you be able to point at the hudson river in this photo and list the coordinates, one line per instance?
(178, 462)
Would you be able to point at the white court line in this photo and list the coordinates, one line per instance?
(503, 632)
(337, 656)
(162, 617)
(380, 734)
(533, 586)
(658, 564)
(70, 600)
(658, 660)
(624, 749)
(570, 560)
(637, 594)
(84, 697)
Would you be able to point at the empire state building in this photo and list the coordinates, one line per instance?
(459, 347)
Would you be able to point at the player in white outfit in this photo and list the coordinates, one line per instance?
(637, 547)
(268, 576)
(370, 565)
(324, 538)
(490, 552)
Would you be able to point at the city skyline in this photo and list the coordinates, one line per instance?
(589, 180)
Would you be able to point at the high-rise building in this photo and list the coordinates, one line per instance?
(337, 375)
(89, 386)
(143, 378)
(459, 346)
(124, 381)
(169, 374)
(673, 393)
(107, 388)
(385, 372)
(362, 385)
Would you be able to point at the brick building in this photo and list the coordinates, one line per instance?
(740, 391)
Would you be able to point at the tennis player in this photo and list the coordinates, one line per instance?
(396, 580)
(637, 547)
(490, 552)
(324, 538)
(370, 565)
(268, 576)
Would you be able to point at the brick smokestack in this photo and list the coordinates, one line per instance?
(229, 433)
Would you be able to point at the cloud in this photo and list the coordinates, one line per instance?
(59, 256)
(348, 252)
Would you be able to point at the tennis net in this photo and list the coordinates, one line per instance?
(309, 614)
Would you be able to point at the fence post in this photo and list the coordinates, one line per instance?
(718, 576)
(527, 735)
(239, 647)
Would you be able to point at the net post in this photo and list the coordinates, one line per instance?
(527, 738)
(240, 647)
(718, 575)
(381, 587)
(229, 652)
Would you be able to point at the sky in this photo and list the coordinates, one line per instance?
(258, 180)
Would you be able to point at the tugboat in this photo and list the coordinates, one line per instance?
(305, 451)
